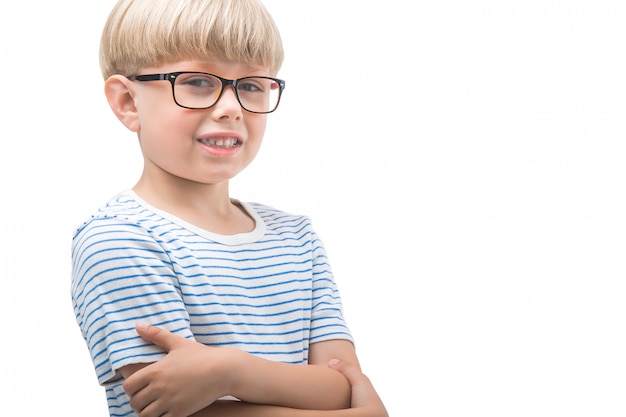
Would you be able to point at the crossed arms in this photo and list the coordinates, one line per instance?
(192, 378)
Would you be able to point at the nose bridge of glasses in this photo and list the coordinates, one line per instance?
(229, 83)
(226, 91)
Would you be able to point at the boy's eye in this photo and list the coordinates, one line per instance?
(200, 82)
(250, 86)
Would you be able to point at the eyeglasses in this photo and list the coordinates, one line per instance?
(200, 90)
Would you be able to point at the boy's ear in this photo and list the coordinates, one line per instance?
(121, 98)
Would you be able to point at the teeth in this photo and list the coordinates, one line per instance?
(220, 142)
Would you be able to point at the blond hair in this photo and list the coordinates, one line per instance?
(143, 33)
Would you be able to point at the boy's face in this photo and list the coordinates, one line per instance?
(208, 146)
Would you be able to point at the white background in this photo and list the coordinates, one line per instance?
(462, 160)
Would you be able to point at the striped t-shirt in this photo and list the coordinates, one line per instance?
(269, 292)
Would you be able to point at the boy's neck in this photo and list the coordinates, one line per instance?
(207, 206)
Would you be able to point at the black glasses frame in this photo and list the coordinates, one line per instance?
(171, 77)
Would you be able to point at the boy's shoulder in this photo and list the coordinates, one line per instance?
(121, 207)
(127, 208)
(272, 214)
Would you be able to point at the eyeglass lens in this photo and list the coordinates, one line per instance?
(256, 94)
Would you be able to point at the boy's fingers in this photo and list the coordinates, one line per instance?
(363, 393)
(350, 371)
(158, 336)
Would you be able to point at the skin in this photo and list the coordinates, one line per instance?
(189, 179)
(181, 175)
(365, 401)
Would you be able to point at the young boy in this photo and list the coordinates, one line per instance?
(244, 315)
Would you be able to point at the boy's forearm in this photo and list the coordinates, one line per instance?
(365, 401)
(242, 409)
(313, 387)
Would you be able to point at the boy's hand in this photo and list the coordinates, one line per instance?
(364, 396)
(191, 377)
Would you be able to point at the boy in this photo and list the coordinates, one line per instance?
(245, 316)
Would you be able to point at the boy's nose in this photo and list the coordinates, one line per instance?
(228, 102)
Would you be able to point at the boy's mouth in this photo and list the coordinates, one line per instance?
(222, 142)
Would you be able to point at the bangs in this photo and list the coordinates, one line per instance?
(147, 33)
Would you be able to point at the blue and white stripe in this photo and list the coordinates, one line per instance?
(269, 292)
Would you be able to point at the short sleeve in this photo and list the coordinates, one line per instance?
(327, 319)
(121, 275)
